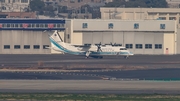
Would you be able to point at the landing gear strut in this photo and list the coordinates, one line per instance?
(126, 57)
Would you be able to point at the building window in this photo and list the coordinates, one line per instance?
(12, 25)
(17, 46)
(162, 18)
(130, 46)
(136, 26)
(6, 46)
(16, 25)
(162, 26)
(24, 1)
(8, 25)
(172, 18)
(41, 25)
(21, 25)
(45, 46)
(37, 25)
(110, 25)
(26, 46)
(46, 25)
(139, 46)
(72, 1)
(4, 25)
(148, 46)
(58, 25)
(36, 46)
(68, 36)
(62, 25)
(33, 25)
(84, 25)
(158, 46)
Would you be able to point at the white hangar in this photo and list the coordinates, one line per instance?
(139, 36)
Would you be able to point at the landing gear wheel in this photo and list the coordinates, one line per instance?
(126, 57)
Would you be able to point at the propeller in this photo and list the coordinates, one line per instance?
(99, 47)
(112, 44)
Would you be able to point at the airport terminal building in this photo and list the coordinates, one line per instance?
(141, 36)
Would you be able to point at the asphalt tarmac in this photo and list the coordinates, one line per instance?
(152, 74)
(90, 81)
(57, 60)
(89, 86)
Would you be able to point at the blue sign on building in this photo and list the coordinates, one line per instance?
(32, 24)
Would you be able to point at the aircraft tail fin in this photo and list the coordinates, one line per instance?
(56, 36)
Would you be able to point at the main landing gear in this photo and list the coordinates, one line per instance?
(126, 57)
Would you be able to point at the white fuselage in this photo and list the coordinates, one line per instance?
(92, 50)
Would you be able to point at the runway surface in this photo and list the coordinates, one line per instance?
(123, 78)
(67, 61)
(91, 86)
(154, 74)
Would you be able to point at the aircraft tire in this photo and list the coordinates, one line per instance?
(126, 57)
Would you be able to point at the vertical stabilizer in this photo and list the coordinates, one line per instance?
(57, 42)
(56, 37)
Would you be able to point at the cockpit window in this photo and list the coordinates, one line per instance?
(123, 49)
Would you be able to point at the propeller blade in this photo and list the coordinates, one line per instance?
(111, 43)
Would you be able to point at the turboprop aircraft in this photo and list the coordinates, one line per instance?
(95, 51)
